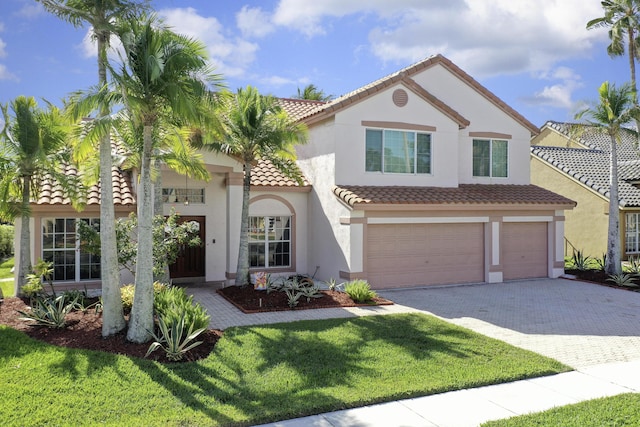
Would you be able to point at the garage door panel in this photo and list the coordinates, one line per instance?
(401, 255)
(525, 250)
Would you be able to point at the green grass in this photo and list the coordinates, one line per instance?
(621, 410)
(257, 374)
(5, 273)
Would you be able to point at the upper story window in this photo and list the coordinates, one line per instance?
(183, 195)
(396, 151)
(490, 158)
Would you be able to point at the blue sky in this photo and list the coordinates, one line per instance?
(536, 56)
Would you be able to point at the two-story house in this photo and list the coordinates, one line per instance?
(419, 178)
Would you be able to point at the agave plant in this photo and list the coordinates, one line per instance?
(173, 339)
(623, 279)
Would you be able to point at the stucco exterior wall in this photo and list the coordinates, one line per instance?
(484, 117)
(586, 225)
(350, 141)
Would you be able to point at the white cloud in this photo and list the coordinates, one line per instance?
(3, 50)
(254, 22)
(30, 10)
(560, 93)
(6, 75)
(279, 81)
(230, 56)
(484, 37)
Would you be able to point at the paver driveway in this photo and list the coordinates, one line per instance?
(577, 323)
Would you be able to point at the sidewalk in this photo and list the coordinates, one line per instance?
(472, 407)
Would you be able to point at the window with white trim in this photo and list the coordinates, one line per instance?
(632, 233)
(61, 246)
(396, 151)
(269, 241)
(490, 158)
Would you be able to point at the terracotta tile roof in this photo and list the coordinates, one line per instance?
(51, 192)
(405, 73)
(298, 108)
(265, 174)
(466, 194)
(591, 168)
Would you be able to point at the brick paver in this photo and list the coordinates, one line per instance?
(577, 323)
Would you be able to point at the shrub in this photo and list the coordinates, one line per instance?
(623, 280)
(33, 287)
(6, 240)
(634, 264)
(127, 292)
(580, 261)
(172, 303)
(359, 291)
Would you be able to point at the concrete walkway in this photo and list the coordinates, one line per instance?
(592, 328)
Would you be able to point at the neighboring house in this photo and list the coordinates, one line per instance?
(576, 164)
(419, 178)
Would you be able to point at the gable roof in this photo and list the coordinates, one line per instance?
(265, 174)
(590, 166)
(465, 194)
(404, 75)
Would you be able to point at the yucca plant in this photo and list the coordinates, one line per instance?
(49, 312)
(580, 261)
(623, 279)
(176, 337)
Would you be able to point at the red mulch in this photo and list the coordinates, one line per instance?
(250, 300)
(84, 329)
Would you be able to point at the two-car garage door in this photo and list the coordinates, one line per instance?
(400, 255)
(404, 255)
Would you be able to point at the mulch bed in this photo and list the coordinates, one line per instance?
(599, 277)
(249, 300)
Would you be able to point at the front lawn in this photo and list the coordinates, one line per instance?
(257, 374)
(5, 273)
(620, 410)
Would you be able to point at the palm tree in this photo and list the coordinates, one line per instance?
(311, 92)
(614, 109)
(255, 127)
(32, 149)
(162, 74)
(102, 16)
(622, 17)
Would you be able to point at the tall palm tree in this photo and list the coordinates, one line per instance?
(622, 17)
(102, 16)
(615, 109)
(33, 147)
(254, 127)
(312, 92)
(162, 74)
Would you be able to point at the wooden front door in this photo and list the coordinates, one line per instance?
(191, 260)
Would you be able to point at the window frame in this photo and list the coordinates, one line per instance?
(635, 233)
(265, 241)
(70, 245)
(491, 160)
(415, 152)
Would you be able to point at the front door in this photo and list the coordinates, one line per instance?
(191, 260)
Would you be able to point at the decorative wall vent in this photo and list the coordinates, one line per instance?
(400, 97)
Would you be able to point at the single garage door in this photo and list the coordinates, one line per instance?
(403, 255)
(524, 250)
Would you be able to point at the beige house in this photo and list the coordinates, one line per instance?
(419, 178)
(577, 166)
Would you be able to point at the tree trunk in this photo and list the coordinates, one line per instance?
(242, 271)
(112, 312)
(24, 260)
(158, 209)
(614, 263)
(141, 321)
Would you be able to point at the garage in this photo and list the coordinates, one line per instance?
(404, 255)
(524, 250)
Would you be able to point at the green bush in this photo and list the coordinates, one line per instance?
(359, 291)
(172, 303)
(6, 240)
(48, 311)
(175, 337)
(127, 292)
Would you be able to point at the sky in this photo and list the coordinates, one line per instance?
(537, 56)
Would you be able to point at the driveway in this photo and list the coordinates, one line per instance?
(577, 323)
(580, 324)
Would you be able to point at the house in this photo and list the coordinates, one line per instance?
(576, 165)
(419, 178)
